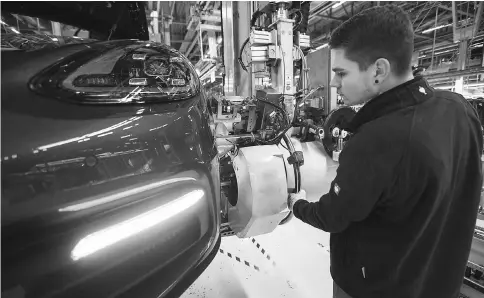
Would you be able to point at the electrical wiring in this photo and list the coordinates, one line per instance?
(295, 27)
(277, 107)
(244, 67)
(255, 17)
(304, 66)
(283, 72)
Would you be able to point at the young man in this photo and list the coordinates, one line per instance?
(403, 206)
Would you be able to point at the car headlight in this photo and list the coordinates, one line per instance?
(119, 72)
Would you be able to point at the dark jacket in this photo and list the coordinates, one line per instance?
(403, 206)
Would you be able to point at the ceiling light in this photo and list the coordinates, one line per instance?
(475, 85)
(319, 48)
(338, 4)
(436, 28)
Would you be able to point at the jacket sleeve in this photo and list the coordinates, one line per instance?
(366, 171)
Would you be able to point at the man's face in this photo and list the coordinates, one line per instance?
(353, 85)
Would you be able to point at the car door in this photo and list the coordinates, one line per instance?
(106, 191)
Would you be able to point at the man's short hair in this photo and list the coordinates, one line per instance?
(377, 32)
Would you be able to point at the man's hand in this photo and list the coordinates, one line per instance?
(294, 197)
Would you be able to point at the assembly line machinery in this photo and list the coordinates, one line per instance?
(270, 140)
(287, 130)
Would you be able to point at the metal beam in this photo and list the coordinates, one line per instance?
(197, 49)
(453, 74)
(176, 23)
(435, 35)
(172, 8)
(211, 18)
(454, 20)
(441, 18)
(229, 53)
(438, 46)
(478, 19)
(332, 18)
(423, 36)
(192, 45)
(321, 8)
(457, 10)
(208, 27)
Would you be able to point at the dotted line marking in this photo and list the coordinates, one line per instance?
(246, 263)
(326, 248)
(263, 251)
(268, 257)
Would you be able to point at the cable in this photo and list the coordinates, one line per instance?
(277, 107)
(255, 17)
(304, 66)
(283, 72)
(287, 121)
(295, 165)
(276, 139)
(244, 67)
(295, 27)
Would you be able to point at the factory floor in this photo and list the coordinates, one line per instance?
(292, 261)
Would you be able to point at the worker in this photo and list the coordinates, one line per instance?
(403, 205)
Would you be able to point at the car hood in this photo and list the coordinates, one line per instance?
(126, 20)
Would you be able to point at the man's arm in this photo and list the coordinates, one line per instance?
(367, 169)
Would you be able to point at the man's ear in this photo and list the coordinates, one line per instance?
(382, 70)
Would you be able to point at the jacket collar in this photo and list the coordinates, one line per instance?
(408, 94)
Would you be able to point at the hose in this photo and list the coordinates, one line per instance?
(255, 17)
(239, 59)
(297, 170)
(297, 175)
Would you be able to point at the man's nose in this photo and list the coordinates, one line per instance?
(334, 82)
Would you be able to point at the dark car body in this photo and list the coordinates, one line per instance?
(108, 199)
